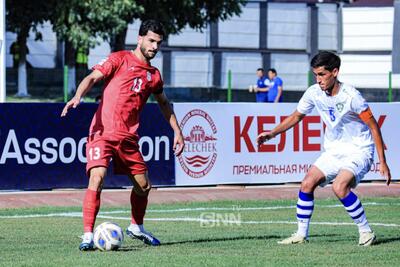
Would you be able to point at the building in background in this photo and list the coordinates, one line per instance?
(278, 34)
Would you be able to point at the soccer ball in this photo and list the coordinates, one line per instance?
(108, 236)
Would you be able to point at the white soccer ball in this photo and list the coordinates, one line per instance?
(108, 236)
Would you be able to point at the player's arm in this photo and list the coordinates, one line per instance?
(278, 95)
(285, 125)
(265, 89)
(84, 87)
(169, 115)
(368, 118)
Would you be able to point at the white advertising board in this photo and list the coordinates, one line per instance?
(221, 149)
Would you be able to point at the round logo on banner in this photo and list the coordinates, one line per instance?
(200, 152)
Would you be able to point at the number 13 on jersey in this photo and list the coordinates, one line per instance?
(94, 153)
(137, 85)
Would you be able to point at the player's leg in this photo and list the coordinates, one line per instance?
(139, 200)
(139, 197)
(342, 185)
(98, 154)
(91, 205)
(305, 205)
(305, 202)
(130, 161)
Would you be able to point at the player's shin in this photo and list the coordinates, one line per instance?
(91, 206)
(138, 209)
(355, 209)
(305, 208)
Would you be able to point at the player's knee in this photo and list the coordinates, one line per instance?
(308, 185)
(143, 189)
(340, 188)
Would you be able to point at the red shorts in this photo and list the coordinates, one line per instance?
(124, 153)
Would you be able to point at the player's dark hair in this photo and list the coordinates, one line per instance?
(151, 25)
(273, 71)
(328, 60)
(260, 69)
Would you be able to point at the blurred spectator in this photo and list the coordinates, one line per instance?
(275, 87)
(261, 88)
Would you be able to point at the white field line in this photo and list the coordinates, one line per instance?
(207, 209)
(239, 222)
(199, 220)
(105, 215)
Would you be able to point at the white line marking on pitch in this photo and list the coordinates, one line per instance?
(232, 208)
(238, 222)
(238, 208)
(189, 219)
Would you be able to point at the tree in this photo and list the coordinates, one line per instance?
(83, 23)
(23, 16)
(177, 14)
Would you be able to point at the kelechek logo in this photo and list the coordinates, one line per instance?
(200, 152)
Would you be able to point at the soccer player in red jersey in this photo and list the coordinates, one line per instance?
(129, 81)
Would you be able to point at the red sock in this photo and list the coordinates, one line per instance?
(138, 207)
(91, 206)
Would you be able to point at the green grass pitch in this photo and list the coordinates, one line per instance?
(220, 233)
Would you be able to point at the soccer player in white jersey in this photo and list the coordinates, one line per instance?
(351, 136)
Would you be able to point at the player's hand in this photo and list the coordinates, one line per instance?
(385, 172)
(73, 103)
(262, 137)
(179, 143)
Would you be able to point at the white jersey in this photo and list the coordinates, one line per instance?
(345, 131)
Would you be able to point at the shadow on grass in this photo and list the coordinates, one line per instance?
(324, 235)
(222, 239)
(328, 238)
(130, 248)
(137, 247)
(344, 237)
(381, 241)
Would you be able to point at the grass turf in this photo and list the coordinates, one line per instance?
(53, 241)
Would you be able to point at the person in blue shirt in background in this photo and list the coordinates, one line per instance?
(261, 89)
(275, 87)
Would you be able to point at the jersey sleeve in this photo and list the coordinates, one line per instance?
(266, 82)
(306, 103)
(108, 65)
(358, 103)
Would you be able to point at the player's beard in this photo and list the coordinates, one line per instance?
(146, 54)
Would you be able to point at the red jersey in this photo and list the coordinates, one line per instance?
(128, 84)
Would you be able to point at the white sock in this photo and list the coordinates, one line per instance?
(305, 207)
(88, 236)
(363, 225)
(136, 227)
(355, 209)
